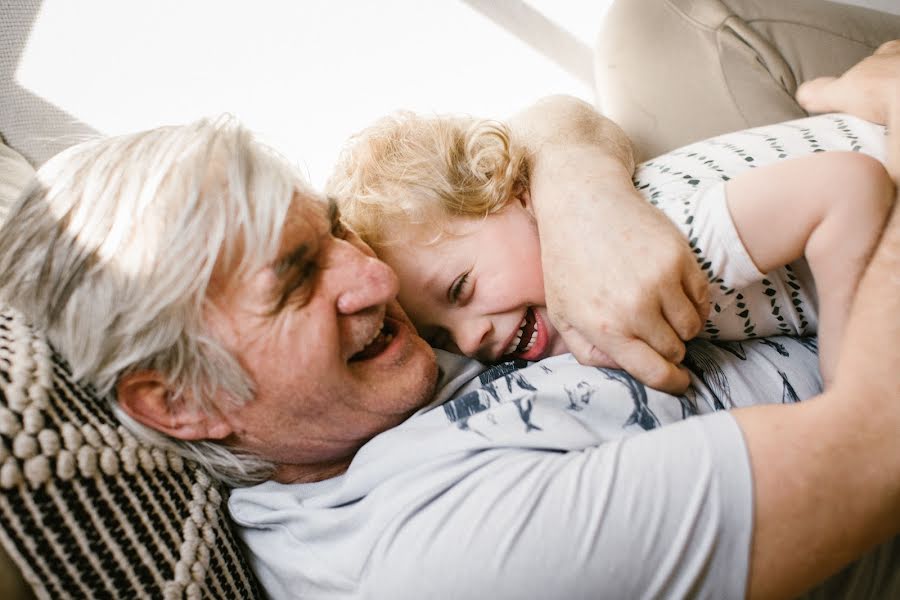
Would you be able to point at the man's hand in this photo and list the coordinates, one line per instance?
(870, 90)
(622, 285)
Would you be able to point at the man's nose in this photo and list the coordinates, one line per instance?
(366, 281)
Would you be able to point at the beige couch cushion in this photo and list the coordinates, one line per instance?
(14, 175)
(15, 172)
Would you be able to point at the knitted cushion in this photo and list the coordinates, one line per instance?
(86, 510)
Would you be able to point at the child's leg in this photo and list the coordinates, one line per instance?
(670, 72)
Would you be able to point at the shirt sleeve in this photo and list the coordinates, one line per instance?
(719, 242)
(662, 514)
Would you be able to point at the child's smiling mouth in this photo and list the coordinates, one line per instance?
(527, 342)
(525, 336)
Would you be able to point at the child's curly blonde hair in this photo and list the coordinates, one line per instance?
(408, 169)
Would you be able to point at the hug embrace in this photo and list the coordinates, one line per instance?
(468, 368)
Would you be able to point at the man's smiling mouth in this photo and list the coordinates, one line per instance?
(380, 340)
(526, 336)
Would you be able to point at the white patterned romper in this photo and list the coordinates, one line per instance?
(688, 185)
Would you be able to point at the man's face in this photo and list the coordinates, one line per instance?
(334, 359)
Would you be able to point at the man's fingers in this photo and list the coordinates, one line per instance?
(638, 359)
(684, 316)
(659, 335)
(648, 367)
(815, 95)
(587, 353)
(696, 285)
(891, 47)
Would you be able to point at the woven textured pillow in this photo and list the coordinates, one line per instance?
(88, 511)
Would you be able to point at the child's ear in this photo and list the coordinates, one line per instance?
(146, 397)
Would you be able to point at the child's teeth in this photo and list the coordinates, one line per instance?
(518, 338)
(531, 342)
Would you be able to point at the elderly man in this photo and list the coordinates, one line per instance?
(189, 273)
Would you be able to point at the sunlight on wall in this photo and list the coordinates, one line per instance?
(305, 75)
(580, 17)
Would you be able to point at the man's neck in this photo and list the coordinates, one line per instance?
(310, 473)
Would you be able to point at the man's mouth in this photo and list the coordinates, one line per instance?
(526, 336)
(380, 340)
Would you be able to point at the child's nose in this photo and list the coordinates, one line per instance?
(471, 337)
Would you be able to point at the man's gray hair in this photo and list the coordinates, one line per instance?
(112, 247)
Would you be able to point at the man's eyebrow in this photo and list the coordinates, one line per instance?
(334, 213)
(291, 272)
(294, 269)
(282, 266)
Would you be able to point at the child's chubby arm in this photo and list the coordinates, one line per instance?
(830, 207)
(620, 279)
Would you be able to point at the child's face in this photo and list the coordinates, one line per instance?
(479, 290)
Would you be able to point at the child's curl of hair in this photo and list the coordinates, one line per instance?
(411, 170)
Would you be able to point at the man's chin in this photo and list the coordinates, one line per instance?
(419, 376)
(431, 371)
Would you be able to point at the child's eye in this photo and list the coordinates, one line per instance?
(457, 288)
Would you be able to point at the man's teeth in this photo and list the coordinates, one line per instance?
(514, 344)
(375, 335)
(387, 337)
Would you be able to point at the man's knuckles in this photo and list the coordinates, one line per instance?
(673, 353)
(891, 47)
(661, 375)
(593, 357)
(687, 324)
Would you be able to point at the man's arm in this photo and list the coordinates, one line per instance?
(831, 209)
(827, 472)
(621, 282)
(839, 453)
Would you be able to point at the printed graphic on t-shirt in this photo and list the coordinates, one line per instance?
(518, 401)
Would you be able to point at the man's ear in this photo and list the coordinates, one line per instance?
(524, 197)
(147, 399)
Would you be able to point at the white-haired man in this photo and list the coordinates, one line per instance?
(190, 274)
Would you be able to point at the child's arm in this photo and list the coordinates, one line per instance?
(830, 207)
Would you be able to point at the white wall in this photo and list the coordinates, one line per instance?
(304, 74)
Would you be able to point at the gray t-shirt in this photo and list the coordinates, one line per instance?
(550, 481)
(557, 480)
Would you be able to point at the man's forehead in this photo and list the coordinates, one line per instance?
(307, 217)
